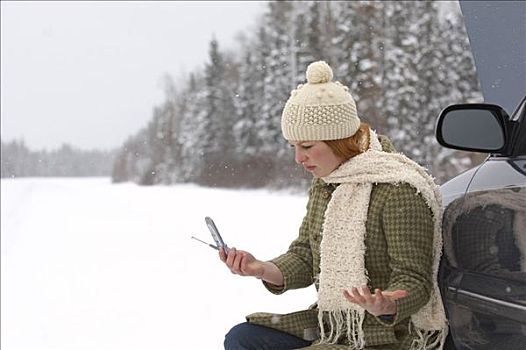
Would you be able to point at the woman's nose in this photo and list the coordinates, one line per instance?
(299, 156)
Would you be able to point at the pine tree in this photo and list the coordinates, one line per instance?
(246, 104)
(366, 52)
(400, 78)
(214, 120)
(343, 40)
(193, 127)
(278, 80)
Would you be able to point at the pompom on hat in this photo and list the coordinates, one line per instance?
(319, 110)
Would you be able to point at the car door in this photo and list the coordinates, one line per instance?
(485, 258)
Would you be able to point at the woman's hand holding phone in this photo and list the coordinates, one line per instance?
(242, 263)
(245, 264)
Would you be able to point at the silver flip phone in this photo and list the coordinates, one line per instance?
(215, 234)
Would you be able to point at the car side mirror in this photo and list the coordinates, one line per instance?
(473, 127)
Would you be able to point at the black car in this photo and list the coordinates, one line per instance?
(483, 268)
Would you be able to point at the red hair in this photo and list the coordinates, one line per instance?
(353, 145)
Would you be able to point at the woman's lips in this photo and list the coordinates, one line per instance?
(309, 167)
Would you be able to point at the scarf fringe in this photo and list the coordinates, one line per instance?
(350, 320)
(427, 339)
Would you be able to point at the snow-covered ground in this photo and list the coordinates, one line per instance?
(86, 264)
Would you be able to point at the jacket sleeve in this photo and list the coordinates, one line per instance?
(408, 227)
(387, 145)
(296, 263)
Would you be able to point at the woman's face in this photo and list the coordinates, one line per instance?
(316, 157)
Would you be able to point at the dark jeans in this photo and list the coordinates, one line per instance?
(247, 336)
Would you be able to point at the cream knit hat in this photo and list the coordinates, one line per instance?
(320, 110)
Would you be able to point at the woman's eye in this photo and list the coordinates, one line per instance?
(300, 146)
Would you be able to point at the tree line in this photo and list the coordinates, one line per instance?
(19, 161)
(220, 126)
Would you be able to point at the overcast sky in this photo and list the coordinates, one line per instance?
(90, 73)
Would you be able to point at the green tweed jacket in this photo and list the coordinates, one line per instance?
(399, 241)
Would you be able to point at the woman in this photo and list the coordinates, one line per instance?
(370, 240)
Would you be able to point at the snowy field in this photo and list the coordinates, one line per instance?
(90, 265)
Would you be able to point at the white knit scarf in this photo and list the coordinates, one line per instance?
(343, 246)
